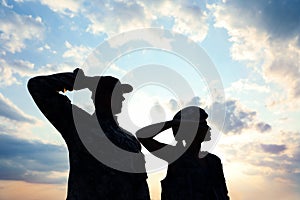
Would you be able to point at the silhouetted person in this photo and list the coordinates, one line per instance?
(89, 178)
(195, 174)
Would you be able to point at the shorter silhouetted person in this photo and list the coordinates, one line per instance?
(195, 174)
(89, 178)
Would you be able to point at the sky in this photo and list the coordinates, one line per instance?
(254, 47)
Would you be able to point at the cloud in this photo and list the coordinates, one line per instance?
(6, 77)
(66, 7)
(188, 17)
(274, 157)
(11, 111)
(48, 48)
(265, 35)
(10, 69)
(237, 118)
(195, 101)
(173, 104)
(113, 17)
(157, 113)
(31, 161)
(16, 29)
(247, 85)
(273, 148)
(4, 3)
(76, 53)
(109, 17)
(274, 17)
(263, 127)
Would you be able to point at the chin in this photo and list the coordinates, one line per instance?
(115, 112)
(206, 139)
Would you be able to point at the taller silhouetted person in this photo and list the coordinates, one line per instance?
(90, 178)
(194, 175)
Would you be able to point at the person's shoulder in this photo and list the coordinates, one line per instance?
(128, 134)
(213, 157)
(81, 116)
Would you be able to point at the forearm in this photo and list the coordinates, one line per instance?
(51, 85)
(153, 130)
(146, 135)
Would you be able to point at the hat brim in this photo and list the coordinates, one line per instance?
(126, 88)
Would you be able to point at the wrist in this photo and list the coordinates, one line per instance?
(80, 81)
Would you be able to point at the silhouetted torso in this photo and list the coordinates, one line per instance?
(88, 178)
(191, 177)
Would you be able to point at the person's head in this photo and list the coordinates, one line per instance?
(108, 96)
(191, 118)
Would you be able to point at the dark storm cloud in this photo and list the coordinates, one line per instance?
(273, 148)
(31, 161)
(280, 18)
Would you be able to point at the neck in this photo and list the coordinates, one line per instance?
(194, 149)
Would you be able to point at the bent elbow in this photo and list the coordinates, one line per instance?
(31, 83)
(34, 84)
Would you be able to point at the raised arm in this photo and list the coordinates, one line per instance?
(145, 135)
(56, 107)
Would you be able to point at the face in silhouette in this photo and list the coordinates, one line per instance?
(117, 101)
(203, 133)
(109, 104)
(108, 97)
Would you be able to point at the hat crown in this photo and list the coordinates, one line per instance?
(107, 84)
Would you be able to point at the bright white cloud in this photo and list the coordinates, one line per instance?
(66, 7)
(6, 77)
(271, 50)
(48, 48)
(5, 4)
(247, 85)
(16, 29)
(115, 16)
(77, 54)
(188, 17)
(11, 68)
(118, 16)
